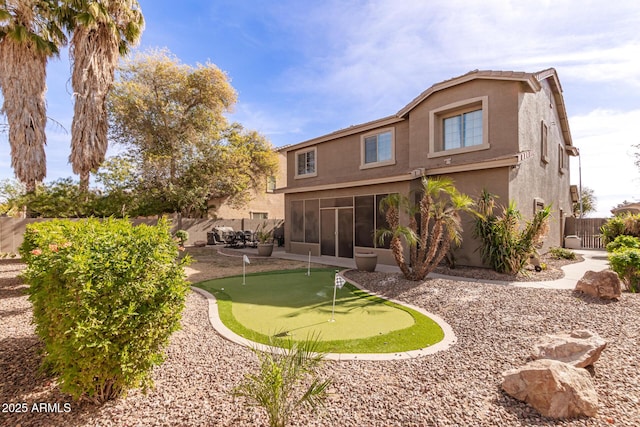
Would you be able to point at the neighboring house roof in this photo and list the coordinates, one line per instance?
(532, 80)
(632, 208)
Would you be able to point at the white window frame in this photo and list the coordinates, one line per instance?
(376, 164)
(436, 126)
(315, 168)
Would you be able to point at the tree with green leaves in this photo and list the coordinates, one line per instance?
(29, 35)
(589, 201)
(58, 199)
(170, 117)
(433, 225)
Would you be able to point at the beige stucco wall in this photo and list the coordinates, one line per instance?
(536, 178)
(502, 104)
(339, 160)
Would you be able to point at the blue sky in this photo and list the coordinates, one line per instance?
(303, 69)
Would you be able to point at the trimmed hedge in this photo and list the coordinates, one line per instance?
(106, 297)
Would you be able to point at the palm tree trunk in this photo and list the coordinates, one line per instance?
(95, 54)
(23, 85)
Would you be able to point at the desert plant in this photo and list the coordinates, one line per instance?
(626, 263)
(264, 232)
(277, 386)
(623, 242)
(106, 297)
(182, 236)
(562, 253)
(503, 244)
(434, 224)
(628, 224)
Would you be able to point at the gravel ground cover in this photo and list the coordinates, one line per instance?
(495, 326)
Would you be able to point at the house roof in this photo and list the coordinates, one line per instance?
(628, 208)
(531, 80)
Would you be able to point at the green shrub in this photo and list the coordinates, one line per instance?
(106, 297)
(626, 263)
(618, 225)
(622, 242)
(504, 245)
(562, 253)
(182, 236)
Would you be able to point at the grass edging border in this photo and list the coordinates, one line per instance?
(448, 340)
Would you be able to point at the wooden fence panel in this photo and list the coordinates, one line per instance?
(588, 229)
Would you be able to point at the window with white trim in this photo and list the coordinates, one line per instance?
(306, 163)
(463, 130)
(378, 149)
(459, 127)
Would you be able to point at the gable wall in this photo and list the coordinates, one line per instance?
(537, 178)
(502, 104)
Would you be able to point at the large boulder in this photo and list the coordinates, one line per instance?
(555, 389)
(579, 348)
(603, 284)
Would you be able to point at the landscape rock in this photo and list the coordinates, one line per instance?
(603, 284)
(579, 348)
(555, 389)
(200, 243)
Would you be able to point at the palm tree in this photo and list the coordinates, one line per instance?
(288, 379)
(434, 224)
(103, 30)
(29, 36)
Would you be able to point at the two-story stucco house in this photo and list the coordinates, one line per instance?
(500, 130)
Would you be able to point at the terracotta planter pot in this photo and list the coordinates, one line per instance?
(265, 249)
(366, 261)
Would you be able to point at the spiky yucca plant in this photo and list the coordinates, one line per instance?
(504, 245)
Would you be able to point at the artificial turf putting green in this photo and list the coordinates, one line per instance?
(293, 305)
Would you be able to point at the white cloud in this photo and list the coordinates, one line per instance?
(605, 139)
(380, 52)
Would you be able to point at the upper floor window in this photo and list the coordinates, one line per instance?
(271, 184)
(562, 159)
(378, 149)
(306, 163)
(459, 127)
(544, 143)
(463, 130)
